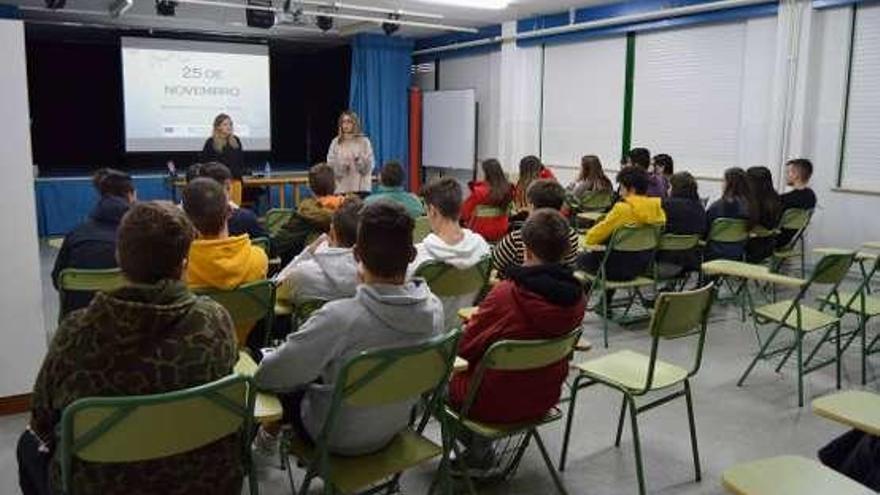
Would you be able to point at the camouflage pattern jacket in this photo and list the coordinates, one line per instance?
(142, 339)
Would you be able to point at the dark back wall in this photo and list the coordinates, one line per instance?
(77, 121)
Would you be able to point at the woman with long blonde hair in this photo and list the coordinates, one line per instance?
(351, 156)
(224, 146)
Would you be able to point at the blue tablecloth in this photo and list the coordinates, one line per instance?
(64, 202)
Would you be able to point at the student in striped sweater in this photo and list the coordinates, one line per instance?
(544, 193)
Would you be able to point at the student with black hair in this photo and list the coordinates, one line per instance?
(798, 173)
(635, 208)
(326, 269)
(494, 191)
(769, 207)
(387, 311)
(663, 165)
(684, 216)
(509, 252)
(92, 244)
(736, 201)
(541, 300)
(391, 188)
(658, 186)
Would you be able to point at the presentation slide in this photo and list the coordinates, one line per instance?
(173, 89)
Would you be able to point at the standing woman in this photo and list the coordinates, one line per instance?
(351, 156)
(224, 146)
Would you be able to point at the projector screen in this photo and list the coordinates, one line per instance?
(173, 89)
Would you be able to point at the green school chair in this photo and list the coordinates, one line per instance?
(676, 316)
(448, 281)
(145, 427)
(248, 304)
(275, 220)
(376, 378)
(801, 320)
(731, 231)
(862, 304)
(788, 475)
(86, 280)
(512, 355)
(262, 243)
(627, 239)
(594, 203)
(676, 243)
(797, 220)
(421, 229)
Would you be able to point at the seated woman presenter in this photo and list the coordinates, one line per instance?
(224, 146)
(351, 157)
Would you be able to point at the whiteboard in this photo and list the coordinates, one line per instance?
(449, 129)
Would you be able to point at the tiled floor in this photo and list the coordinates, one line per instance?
(734, 424)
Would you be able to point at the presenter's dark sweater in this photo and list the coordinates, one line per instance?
(231, 157)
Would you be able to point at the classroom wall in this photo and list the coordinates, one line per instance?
(21, 300)
(564, 100)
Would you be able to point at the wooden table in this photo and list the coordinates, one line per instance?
(872, 245)
(279, 181)
(854, 408)
(267, 407)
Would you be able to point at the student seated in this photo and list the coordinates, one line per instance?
(663, 165)
(801, 196)
(541, 300)
(152, 337)
(591, 179)
(736, 202)
(216, 259)
(530, 169)
(92, 244)
(492, 192)
(684, 216)
(387, 311)
(769, 207)
(635, 208)
(658, 186)
(509, 252)
(326, 270)
(312, 216)
(391, 187)
(448, 242)
(242, 220)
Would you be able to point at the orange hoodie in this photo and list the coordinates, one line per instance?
(225, 263)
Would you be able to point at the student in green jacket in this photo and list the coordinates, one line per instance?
(391, 187)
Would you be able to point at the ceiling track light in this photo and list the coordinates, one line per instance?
(379, 20)
(367, 8)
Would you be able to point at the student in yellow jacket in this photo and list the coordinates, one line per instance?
(216, 259)
(635, 208)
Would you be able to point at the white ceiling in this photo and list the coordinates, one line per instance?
(231, 21)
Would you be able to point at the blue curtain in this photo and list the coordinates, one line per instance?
(380, 80)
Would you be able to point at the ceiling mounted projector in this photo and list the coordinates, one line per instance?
(391, 27)
(324, 23)
(166, 7)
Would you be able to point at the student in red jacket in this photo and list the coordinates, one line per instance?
(494, 192)
(540, 300)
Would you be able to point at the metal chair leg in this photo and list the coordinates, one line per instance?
(553, 473)
(759, 356)
(620, 421)
(693, 428)
(567, 434)
(837, 353)
(800, 366)
(633, 412)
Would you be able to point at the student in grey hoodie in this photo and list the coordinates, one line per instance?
(387, 311)
(326, 269)
(448, 241)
